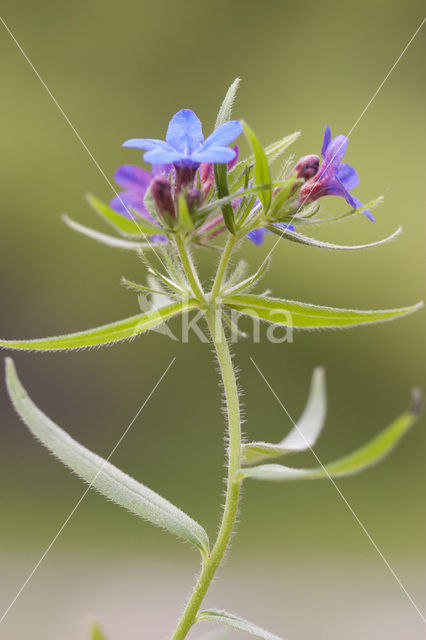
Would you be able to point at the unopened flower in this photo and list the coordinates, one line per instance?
(161, 191)
(334, 178)
(136, 182)
(307, 167)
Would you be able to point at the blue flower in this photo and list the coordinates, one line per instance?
(258, 235)
(334, 178)
(185, 145)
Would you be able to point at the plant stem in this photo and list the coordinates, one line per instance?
(213, 561)
(222, 267)
(189, 268)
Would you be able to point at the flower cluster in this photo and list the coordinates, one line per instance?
(184, 163)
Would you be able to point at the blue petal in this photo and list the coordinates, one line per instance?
(326, 141)
(257, 236)
(147, 144)
(347, 176)
(286, 227)
(336, 150)
(126, 200)
(129, 176)
(366, 212)
(154, 239)
(213, 154)
(185, 133)
(163, 156)
(223, 135)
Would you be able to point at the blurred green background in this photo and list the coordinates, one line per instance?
(301, 563)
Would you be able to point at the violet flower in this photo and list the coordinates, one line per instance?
(334, 178)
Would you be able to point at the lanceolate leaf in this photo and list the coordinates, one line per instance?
(225, 111)
(135, 226)
(221, 178)
(300, 315)
(106, 334)
(97, 634)
(262, 175)
(101, 474)
(294, 236)
(235, 622)
(272, 151)
(304, 434)
(104, 238)
(366, 456)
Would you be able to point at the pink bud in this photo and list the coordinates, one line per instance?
(307, 167)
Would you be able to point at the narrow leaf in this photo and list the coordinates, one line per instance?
(106, 334)
(272, 151)
(101, 474)
(343, 216)
(221, 179)
(217, 635)
(294, 236)
(361, 459)
(262, 175)
(225, 111)
(305, 432)
(96, 633)
(135, 226)
(249, 282)
(235, 622)
(300, 315)
(185, 220)
(103, 238)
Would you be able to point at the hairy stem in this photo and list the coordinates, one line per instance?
(212, 562)
(189, 268)
(223, 264)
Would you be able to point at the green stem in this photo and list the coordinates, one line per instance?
(189, 268)
(213, 561)
(222, 267)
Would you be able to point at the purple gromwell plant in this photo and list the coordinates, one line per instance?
(199, 194)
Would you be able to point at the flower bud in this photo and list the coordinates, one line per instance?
(161, 191)
(307, 167)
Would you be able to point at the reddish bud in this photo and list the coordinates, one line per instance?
(307, 167)
(161, 191)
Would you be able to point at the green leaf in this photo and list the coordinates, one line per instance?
(225, 111)
(216, 635)
(106, 334)
(221, 179)
(343, 216)
(300, 315)
(361, 459)
(262, 175)
(103, 238)
(249, 282)
(96, 633)
(235, 622)
(272, 151)
(276, 149)
(185, 220)
(294, 236)
(101, 474)
(282, 196)
(305, 432)
(129, 227)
